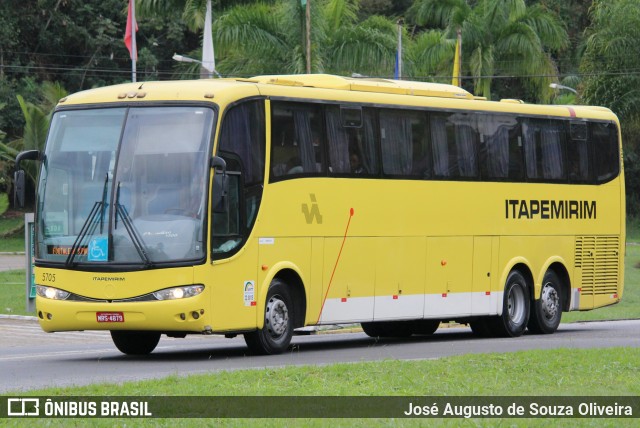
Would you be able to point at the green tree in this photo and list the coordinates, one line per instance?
(612, 58)
(500, 38)
(610, 78)
(263, 39)
(269, 37)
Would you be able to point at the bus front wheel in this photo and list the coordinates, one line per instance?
(515, 307)
(275, 336)
(547, 310)
(135, 342)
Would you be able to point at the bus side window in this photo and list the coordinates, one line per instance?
(466, 144)
(338, 140)
(440, 146)
(544, 147)
(454, 141)
(405, 143)
(396, 141)
(500, 147)
(578, 154)
(296, 147)
(604, 139)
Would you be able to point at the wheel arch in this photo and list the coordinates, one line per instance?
(522, 266)
(290, 275)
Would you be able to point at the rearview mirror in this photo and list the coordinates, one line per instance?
(18, 176)
(18, 189)
(220, 185)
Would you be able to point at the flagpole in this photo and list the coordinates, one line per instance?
(399, 52)
(134, 50)
(459, 56)
(208, 66)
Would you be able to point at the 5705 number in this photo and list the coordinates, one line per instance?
(48, 277)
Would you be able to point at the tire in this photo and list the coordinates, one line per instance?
(135, 342)
(275, 336)
(425, 327)
(546, 312)
(388, 328)
(515, 308)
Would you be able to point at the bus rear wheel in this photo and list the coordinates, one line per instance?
(515, 308)
(275, 336)
(546, 312)
(135, 342)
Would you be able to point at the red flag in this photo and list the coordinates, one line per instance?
(129, 35)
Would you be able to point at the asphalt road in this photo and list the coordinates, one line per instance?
(12, 261)
(30, 358)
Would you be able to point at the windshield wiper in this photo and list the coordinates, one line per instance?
(89, 225)
(138, 243)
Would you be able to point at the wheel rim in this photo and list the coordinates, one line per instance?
(515, 304)
(550, 301)
(277, 317)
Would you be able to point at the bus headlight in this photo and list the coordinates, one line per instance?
(178, 292)
(51, 292)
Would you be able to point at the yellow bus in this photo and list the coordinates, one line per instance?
(260, 206)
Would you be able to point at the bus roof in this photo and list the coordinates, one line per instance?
(322, 86)
(387, 86)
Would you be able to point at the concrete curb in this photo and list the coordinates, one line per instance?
(18, 317)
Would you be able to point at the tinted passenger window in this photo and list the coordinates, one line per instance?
(544, 148)
(243, 135)
(454, 142)
(404, 143)
(604, 137)
(351, 140)
(500, 147)
(296, 146)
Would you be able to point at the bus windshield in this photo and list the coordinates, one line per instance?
(124, 186)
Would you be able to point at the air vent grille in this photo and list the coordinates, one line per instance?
(597, 257)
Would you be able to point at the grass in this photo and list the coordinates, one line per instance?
(633, 229)
(12, 244)
(12, 232)
(612, 372)
(12, 297)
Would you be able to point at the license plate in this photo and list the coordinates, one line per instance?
(109, 316)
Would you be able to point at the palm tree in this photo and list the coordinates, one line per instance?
(265, 39)
(499, 38)
(430, 57)
(268, 37)
(367, 47)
